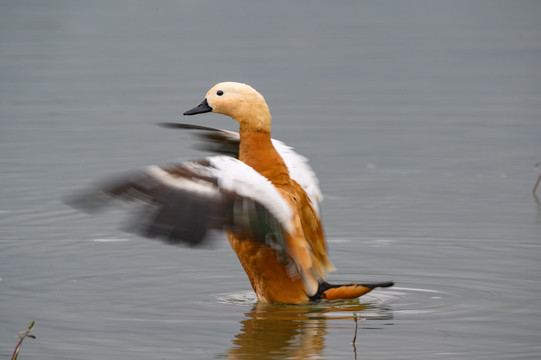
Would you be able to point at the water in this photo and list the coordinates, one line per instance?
(422, 120)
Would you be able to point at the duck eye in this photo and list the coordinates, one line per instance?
(219, 93)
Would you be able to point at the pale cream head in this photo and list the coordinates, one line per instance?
(241, 102)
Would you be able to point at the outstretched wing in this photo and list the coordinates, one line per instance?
(180, 203)
(227, 143)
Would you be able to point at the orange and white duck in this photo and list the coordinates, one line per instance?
(266, 200)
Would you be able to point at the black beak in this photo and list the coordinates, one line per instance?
(199, 109)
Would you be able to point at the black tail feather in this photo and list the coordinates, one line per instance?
(378, 284)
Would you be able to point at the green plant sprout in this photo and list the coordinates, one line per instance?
(22, 335)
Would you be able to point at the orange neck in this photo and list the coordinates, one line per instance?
(257, 151)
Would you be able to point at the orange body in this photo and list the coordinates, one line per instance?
(268, 275)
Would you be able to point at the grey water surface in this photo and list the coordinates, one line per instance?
(421, 118)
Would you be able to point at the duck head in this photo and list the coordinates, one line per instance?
(239, 101)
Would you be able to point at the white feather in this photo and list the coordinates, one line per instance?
(199, 187)
(301, 172)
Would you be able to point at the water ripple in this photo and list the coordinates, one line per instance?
(238, 298)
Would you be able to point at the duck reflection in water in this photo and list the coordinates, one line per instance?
(297, 332)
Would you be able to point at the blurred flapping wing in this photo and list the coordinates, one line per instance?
(181, 203)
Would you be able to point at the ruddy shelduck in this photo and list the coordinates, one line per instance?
(262, 193)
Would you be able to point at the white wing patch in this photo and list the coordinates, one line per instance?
(301, 172)
(234, 175)
(199, 187)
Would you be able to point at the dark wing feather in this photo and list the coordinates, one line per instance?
(216, 141)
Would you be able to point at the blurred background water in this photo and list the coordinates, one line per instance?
(421, 118)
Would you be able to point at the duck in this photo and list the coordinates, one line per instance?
(262, 193)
